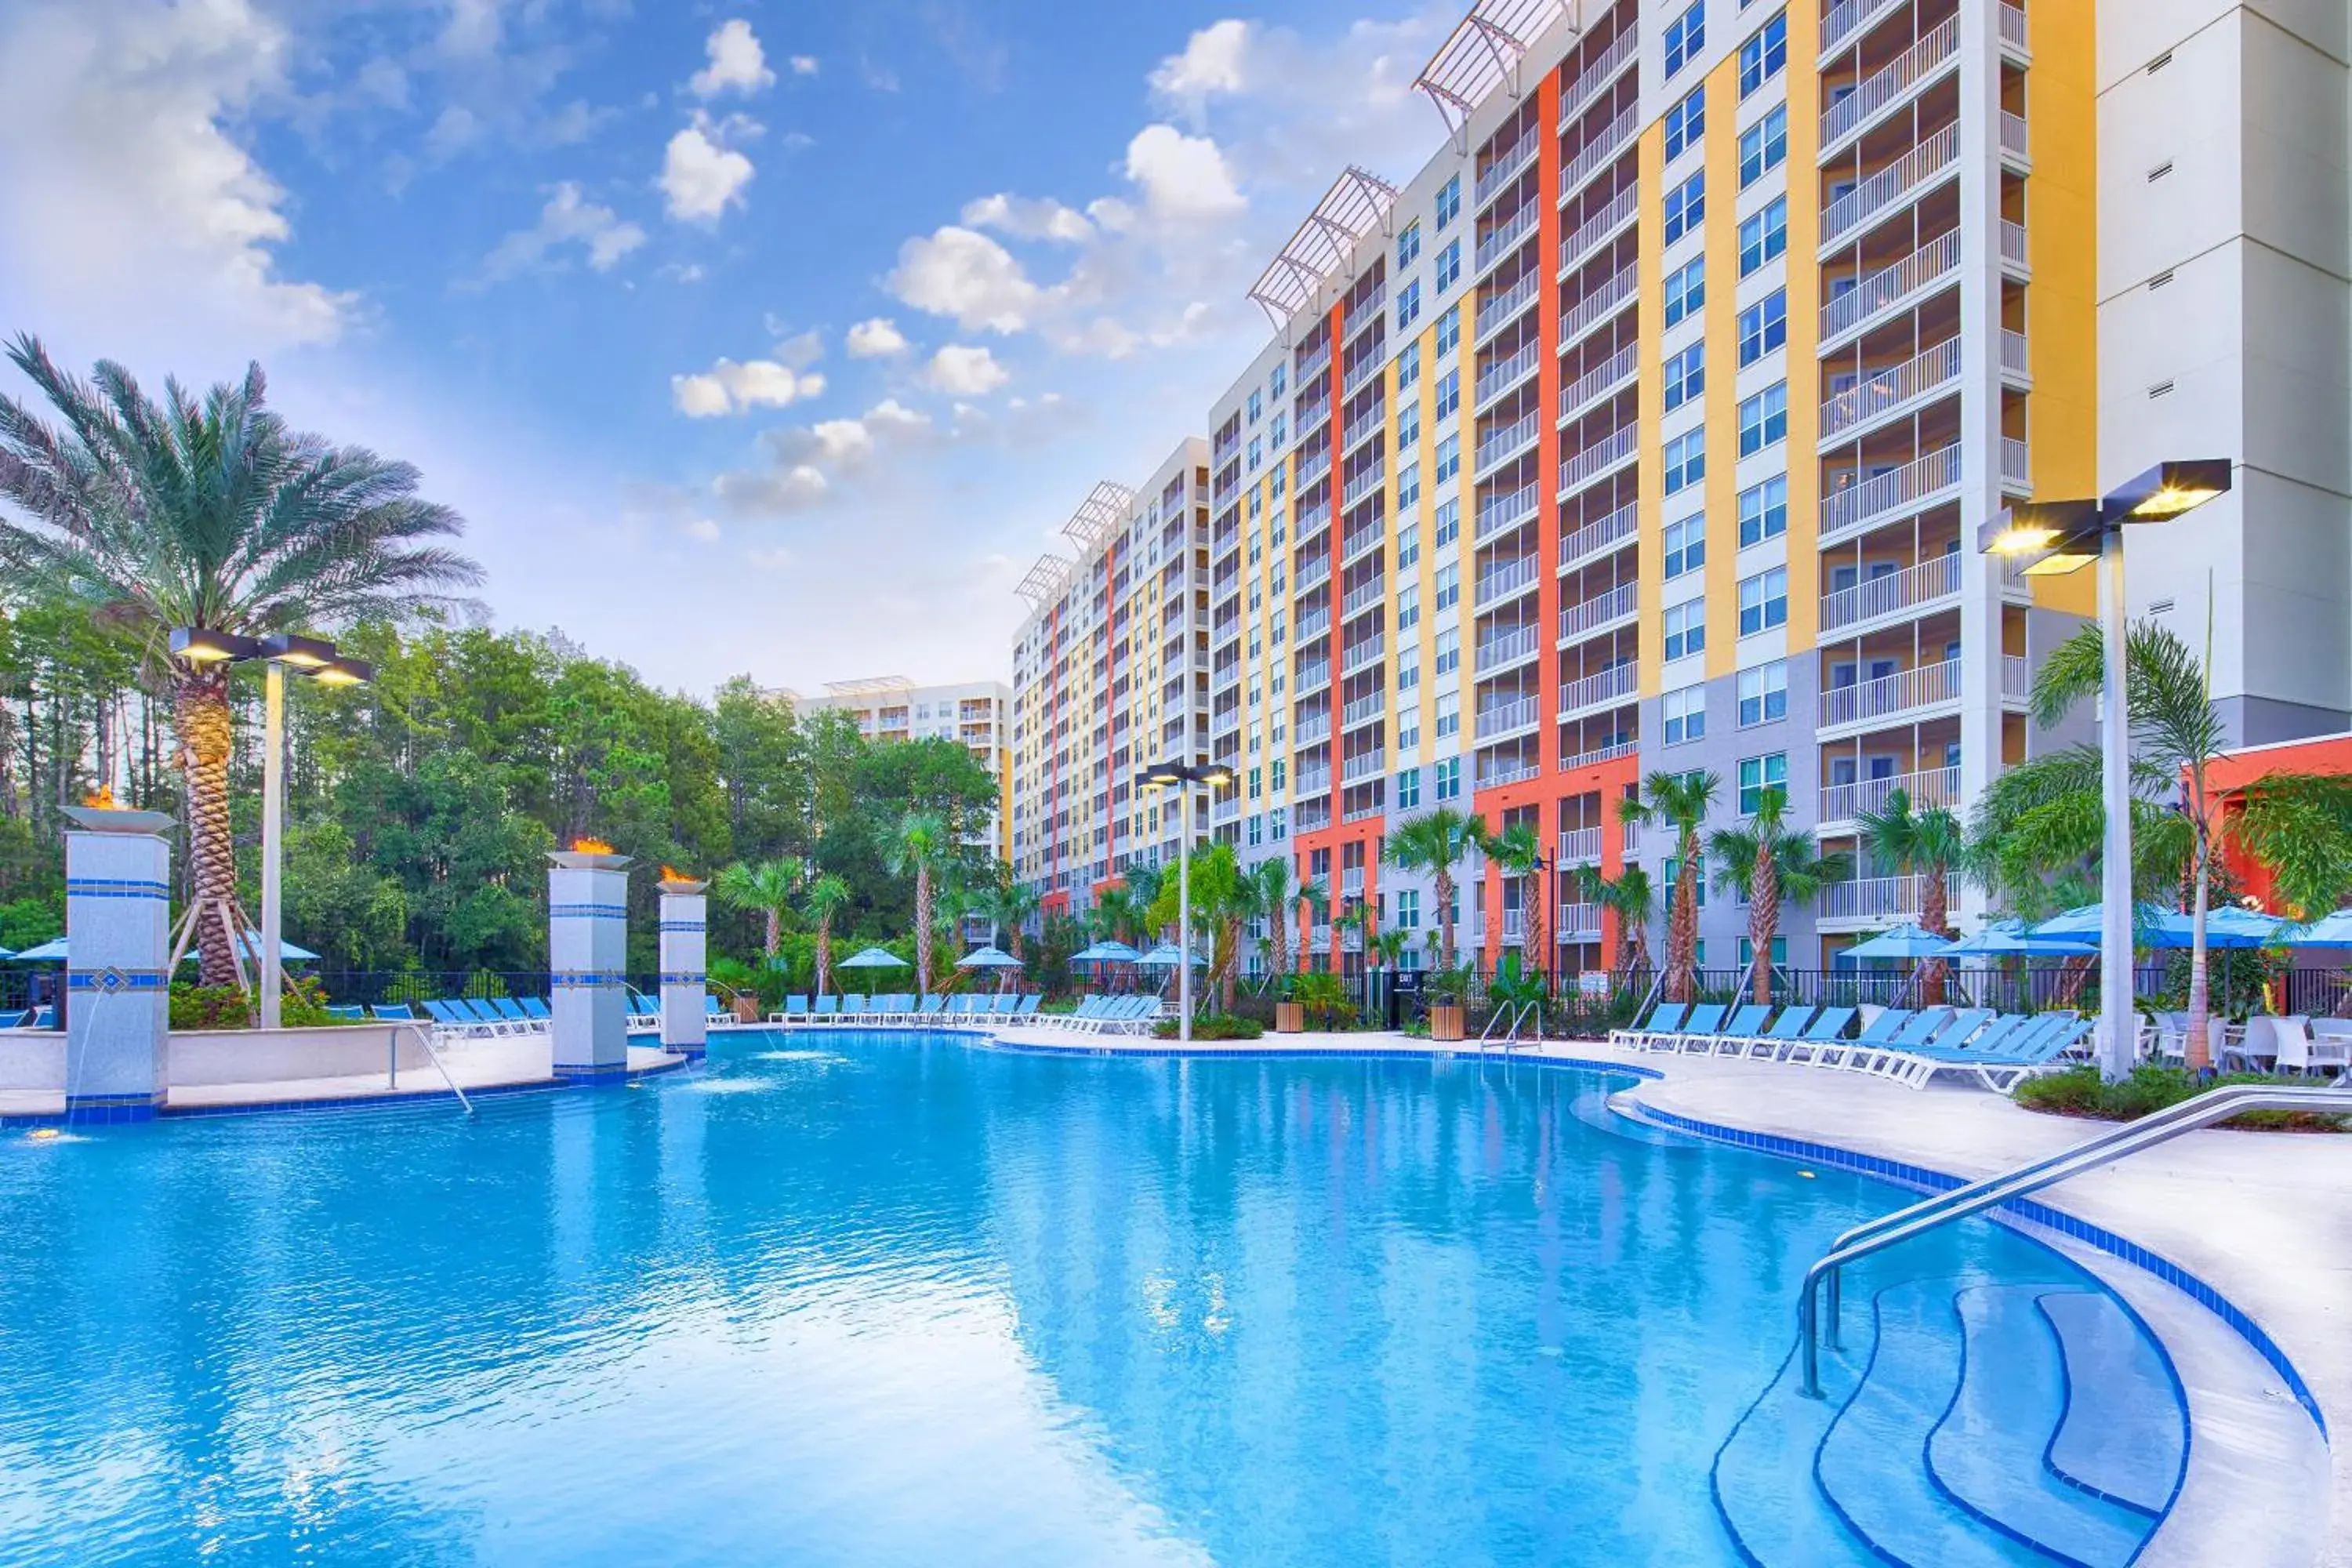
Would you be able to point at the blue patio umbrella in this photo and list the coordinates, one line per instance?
(2154, 926)
(988, 958)
(2009, 939)
(871, 958)
(2327, 930)
(1901, 941)
(1090, 954)
(56, 951)
(1167, 956)
(1115, 952)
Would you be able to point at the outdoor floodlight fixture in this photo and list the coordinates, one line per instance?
(201, 645)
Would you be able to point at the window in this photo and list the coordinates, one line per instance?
(1277, 822)
(1687, 123)
(1448, 785)
(1764, 146)
(1408, 543)
(1408, 669)
(1449, 458)
(1448, 589)
(1449, 652)
(1673, 871)
(1449, 335)
(1685, 545)
(1408, 728)
(1409, 304)
(1407, 424)
(1408, 366)
(1449, 201)
(1408, 606)
(1764, 510)
(1764, 236)
(1686, 36)
(1449, 388)
(1685, 206)
(1764, 56)
(1279, 431)
(1280, 380)
(1686, 291)
(1763, 327)
(1685, 711)
(1780, 952)
(1449, 266)
(1764, 601)
(1764, 419)
(1408, 245)
(1408, 904)
(1685, 460)
(1764, 694)
(1256, 452)
(1253, 406)
(1686, 628)
(1280, 482)
(1758, 774)
(1408, 486)
(1447, 523)
(1685, 376)
(1449, 714)
(1279, 767)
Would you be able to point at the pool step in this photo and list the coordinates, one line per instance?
(1763, 1476)
(1986, 1453)
(2123, 1435)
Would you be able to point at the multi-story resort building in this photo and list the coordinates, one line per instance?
(977, 713)
(1110, 676)
(1649, 427)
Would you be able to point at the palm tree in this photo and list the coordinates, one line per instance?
(1115, 914)
(1930, 844)
(1143, 881)
(1634, 902)
(1769, 865)
(1278, 900)
(1681, 800)
(1391, 944)
(824, 896)
(211, 515)
(1008, 905)
(1437, 842)
(771, 889)
(922, 846)
(1519, 850)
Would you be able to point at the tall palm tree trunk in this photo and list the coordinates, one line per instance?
(1763, 920)
(1681, 926)
(824, 953)
(1532, 918)
(775, 933)
(1445, 917)
(2199, 1048)
(1935, 913)
(200, 714)
(923, 930)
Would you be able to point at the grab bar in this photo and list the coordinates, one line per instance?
(425, 1037)
(2219, 1105)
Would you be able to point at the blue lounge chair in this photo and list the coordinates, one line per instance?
(1767, 1043)
(449, 1017)
(1078, 1017)
(825, 1009)
(2001, 1059)
(395, 1011)
(346, 1010)
(853, 1006)
(1665, 1015)
(15, 1020)
(1736, 1030)
(1005, 1002)
(890, 1009)
(1028, 1007)
(1934, 1026)
(795, 1011)
(536, 1010)
(1827, 1026)
(1880, 1030)
(511, 1011)
(43, 1018)
(1702, 1023)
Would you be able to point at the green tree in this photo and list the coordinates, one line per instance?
(824, 897)
(1930, 844)
(1682, 801)
(1008, 905)
(923, 846)
(1631, 898)
(1519, 850)
(1437, 842)
(772, 890)
(1770, 865)
(210, 514)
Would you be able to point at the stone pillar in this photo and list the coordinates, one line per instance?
(117, 994)
(587, 956)
(683, 942)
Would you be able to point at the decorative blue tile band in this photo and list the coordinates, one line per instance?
(682, 977)
(588, 911)
(114, 888)
(587, 980)
(685, 928)
(109, 981)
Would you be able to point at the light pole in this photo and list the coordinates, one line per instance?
(1184, 777)
(319, 660)
(2051, 538)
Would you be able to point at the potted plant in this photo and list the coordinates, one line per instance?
(1321, 995)
(1445, 988)
(1289, 1014)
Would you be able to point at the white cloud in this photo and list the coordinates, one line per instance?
(876, 339)
(965, 371)
(804, 65)
(773, 492)
(1183, 177)
(802, 349)
(126, 209)
(1213, 63)
(727, 387)
(703, 529)
(776, 558)
(699, 177)
(962, 273)
(474, 28)
(382, 79)
(738, 64)
(566, 219)
(453, 132)
(1024, 218)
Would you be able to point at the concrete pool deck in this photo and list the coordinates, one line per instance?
(2264, 1218)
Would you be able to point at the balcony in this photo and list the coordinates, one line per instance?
(1515, 926)
(1363, 369)
(1892, 186)
(1498, 379)
(1500, 652)
(1363, 709)
(1363, 654)
(1312, 575)
(1599, 154)
(2016, 358)
(1502, 446)
(2016, 252)
(1506, 511)
(1601, 534)
(1313, 624)
(1597, 77)
(1906, 592)
(1313, 470)
(1890, 390)
(1596, 614)
(1576, 923)
(1597, 459)
(1914, 487)
(1614, 684)
(1312, 522)
(1579, 847)
(1498, 244)
(2013, 34)
(1361, 487)
(1890, 84)
(1599, 382)
(1315, 727)
(1847, 17)
(1312, 363)
(1362, 597)
(1869, 901)
(1502, 720)
(1899, 696)
(1312, 678)
(1598, 307)
(1501, 773)
(1845, 803)
(1361, 426)
(1369, 766)
(2013, 144)
(1511, 578)
(1359, 540)
(1312, 817)
(1312, 781)
(1630, 841)
(1500, 311)
(2016, 464)
(1501, 171)
(1589, 234)
(1897, 284)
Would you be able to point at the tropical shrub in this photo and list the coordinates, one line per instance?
(2080, 1091)
(1214, 1026)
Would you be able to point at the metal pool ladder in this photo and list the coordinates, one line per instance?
(1977, 1196)
(425, 1038)
(1511, 1020)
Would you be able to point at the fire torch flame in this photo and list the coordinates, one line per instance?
(591, 846)
(101, 799)
(672, 874)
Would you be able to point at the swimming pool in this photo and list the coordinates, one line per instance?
(863, 1297)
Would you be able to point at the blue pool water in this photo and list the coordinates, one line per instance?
(891, 1298)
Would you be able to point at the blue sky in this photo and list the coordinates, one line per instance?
(755, 337)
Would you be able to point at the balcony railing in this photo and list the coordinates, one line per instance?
(1508, 442)
(1891, 185)
(1508, 578)
(1313, 676)
(1597, 458)
(1363, 654)
(1313, 781)
(1366, 366)
(1630, 840)
(1372, 764)
(2013, 136)
(1898, 280)
(1365, 482)
(1507, 718)
(1890, 82)
(1313, 728)
(1311, 817)
(1500, 311)
(1932, 788)
(1359, 540)
(1891, 696)
(1890, 388)
(2016, 356)
(1599, 154)
(1871, 900)
(1601, 533)
(1608, 753)
(1500, 172)
(1842, 20)
(1508, 648)
(1361, 425)
(1312, 522)
(2012, 27)
(1362, 710)
(1315, 467)
(1500, 378)
(1597, 77)
(1506, 511)
(1588, 235)
(1496, 774)
(1602, 378)
(1611, 685)
(1514, 925)
(1362, 596)
(1899, 489)
(2016, 463)
(1498, 245)
(1597, 306)
(1579, 846)
(1577, 621)
(1313, 574)
(1911, 588)
(2014, 248)
(1578, 923)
